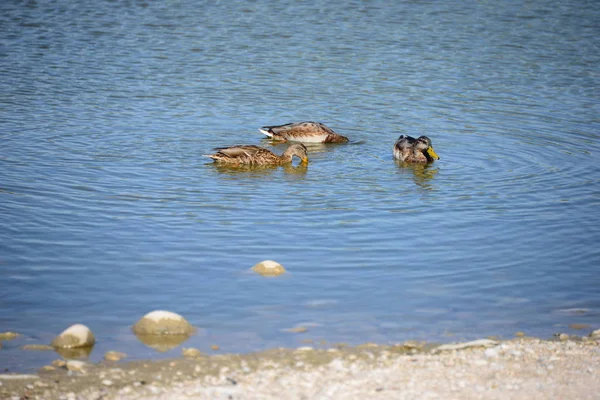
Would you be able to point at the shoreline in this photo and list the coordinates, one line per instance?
(524, 367)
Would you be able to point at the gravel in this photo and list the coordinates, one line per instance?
(523, 368)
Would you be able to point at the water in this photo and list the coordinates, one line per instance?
(108, 211)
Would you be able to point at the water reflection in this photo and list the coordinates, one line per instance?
(78, 353)
(311, 147)
(257, 171)
(421, 173)
(162, 343)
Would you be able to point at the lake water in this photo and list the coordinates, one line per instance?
(108, 210)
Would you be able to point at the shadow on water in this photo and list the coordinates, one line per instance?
(422, 174)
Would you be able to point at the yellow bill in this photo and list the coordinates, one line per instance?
(432, 153)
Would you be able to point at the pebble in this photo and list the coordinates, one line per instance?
(412, 344)
(191, 352)
(76, 366)
(491, 352)
(107, 382)
(114, 355)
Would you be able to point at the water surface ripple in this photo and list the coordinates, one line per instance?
(108, 210)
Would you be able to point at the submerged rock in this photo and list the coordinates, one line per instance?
(77, 335)
(268, 268)
(114, 355)
(8, 335)
(296, 329)
(579, 327)
(191, 352)
(162, 323)
(42, 347)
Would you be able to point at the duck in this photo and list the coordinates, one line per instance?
(255, 155)
(410, 150)
(306, 132)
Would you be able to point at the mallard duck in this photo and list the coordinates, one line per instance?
(308, 132)
(410, 150)
(254, 155)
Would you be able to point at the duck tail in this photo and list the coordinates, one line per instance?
(266, 130)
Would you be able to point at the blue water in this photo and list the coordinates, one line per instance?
(108, 211)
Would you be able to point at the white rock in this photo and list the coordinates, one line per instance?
(74, 336)
(466, 345)
(162, 323)
(268, 268)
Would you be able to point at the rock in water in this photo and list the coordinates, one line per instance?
(162, 323)
(114, 355)
(74, 336)
(268, 268)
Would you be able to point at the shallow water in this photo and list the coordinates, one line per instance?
(108, 211)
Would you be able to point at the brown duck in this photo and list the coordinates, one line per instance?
(307, 132)
(410, 150)
(254, 155)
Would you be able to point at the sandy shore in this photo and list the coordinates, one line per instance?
(524, 368)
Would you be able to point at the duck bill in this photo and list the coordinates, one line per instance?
(432, 153)
(305, 161)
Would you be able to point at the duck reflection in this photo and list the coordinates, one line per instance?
(258, 171)
(311, 147)
(422, 174)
